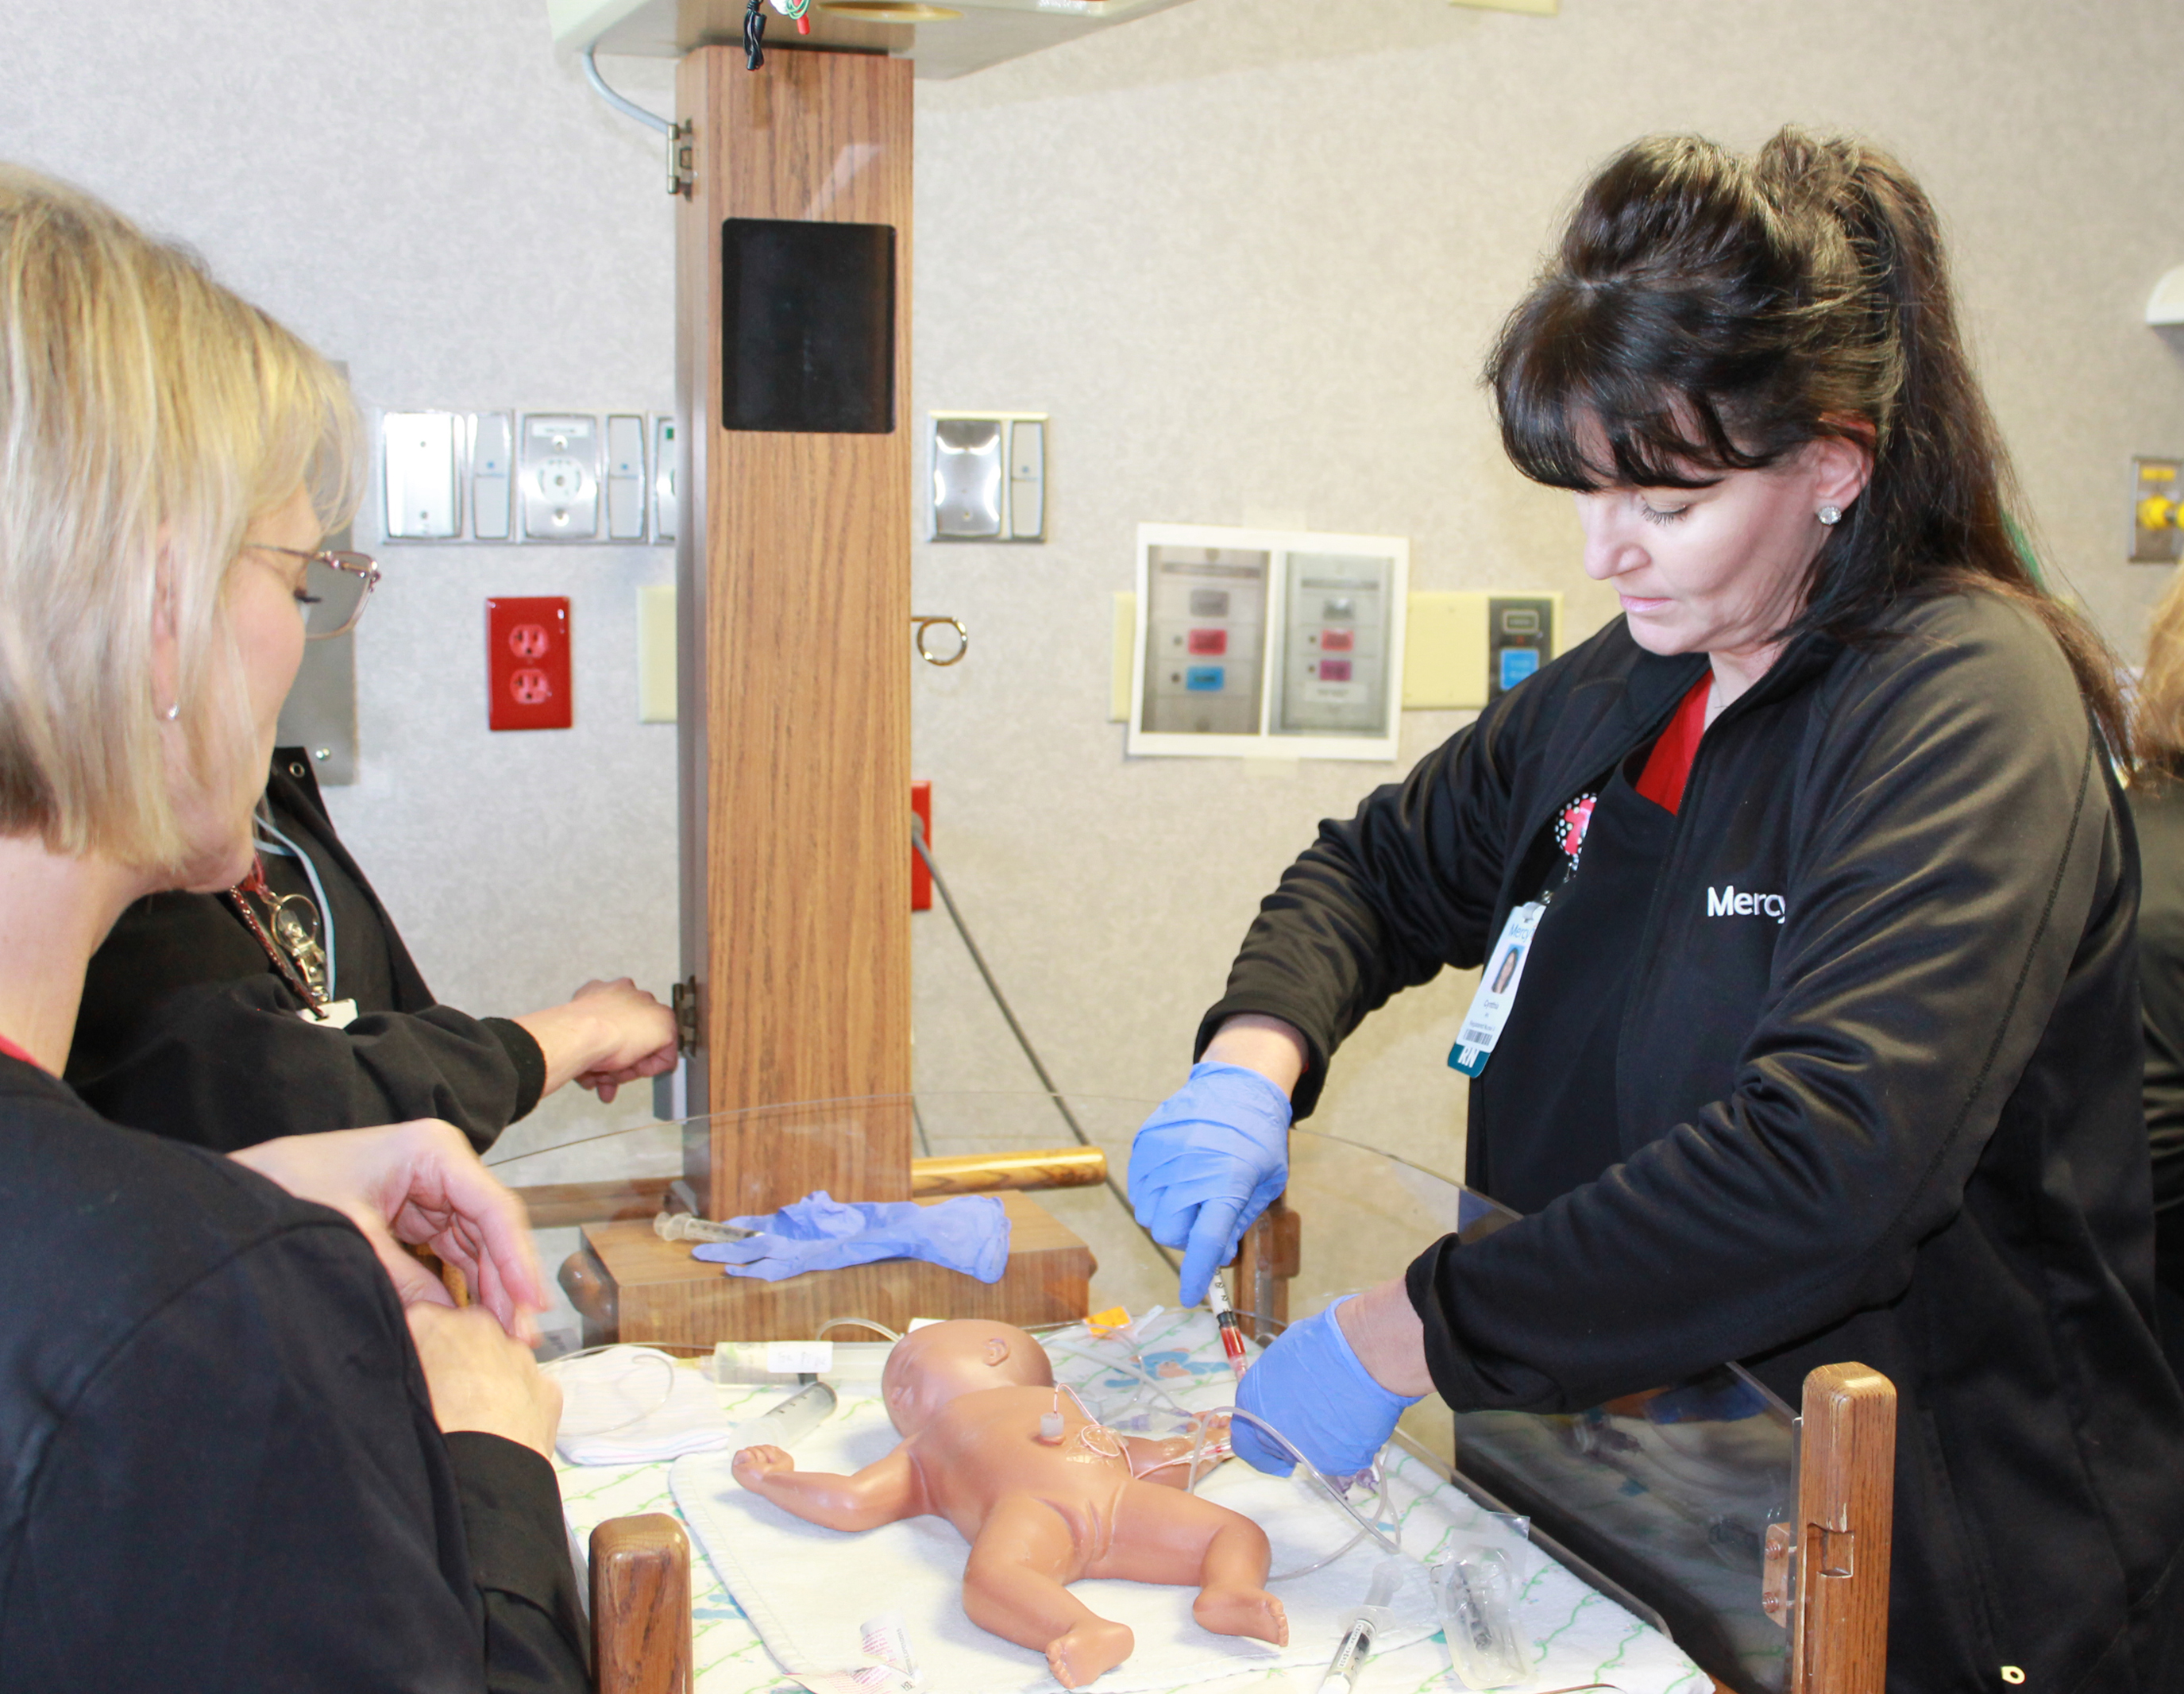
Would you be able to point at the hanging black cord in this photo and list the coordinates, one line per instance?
(940, 885)
(753, 34)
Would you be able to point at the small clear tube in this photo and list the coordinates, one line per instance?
(1364, 1622)
(1475, 1588)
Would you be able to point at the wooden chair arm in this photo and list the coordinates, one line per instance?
(1846, 1505)
(641, 1606)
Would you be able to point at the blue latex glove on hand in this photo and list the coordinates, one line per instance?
(1207, 1163)
(1310, 1385)
(968, 1233)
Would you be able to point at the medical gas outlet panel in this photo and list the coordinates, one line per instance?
(1269, 643)
(525, 477)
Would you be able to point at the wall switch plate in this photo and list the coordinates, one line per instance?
(1520, 637)
(558, 465)
(2157, 506)
(526, 662)
(492, 474)
(666, 480)
(989, 476)
(418, 466)
(655, 654)
(626, 489)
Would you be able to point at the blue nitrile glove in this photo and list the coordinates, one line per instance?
(1310, 1385)
(968, 1233)
(1207, 1163)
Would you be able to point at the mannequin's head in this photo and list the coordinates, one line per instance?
(943, 1362)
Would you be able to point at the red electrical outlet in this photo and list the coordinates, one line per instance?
(920, 879)
(526, 663)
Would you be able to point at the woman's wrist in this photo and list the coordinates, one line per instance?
(1274, 1049)
(1389, 1341)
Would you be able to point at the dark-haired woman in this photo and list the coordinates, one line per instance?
(1825, 1046)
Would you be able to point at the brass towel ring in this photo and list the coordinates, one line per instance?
(923, 626)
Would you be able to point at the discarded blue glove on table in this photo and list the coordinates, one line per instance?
(1310, 1385)
(968, 1233)
(1207, 1163)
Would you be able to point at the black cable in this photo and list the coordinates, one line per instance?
(753, 35)
(940, 885)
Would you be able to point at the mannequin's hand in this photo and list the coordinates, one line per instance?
(418, 1183)
(480, 1379)
(754, 1465)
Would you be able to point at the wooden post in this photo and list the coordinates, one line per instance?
(641, 1640)
(1267, 1259)
(793, 574)
(1845, 1503)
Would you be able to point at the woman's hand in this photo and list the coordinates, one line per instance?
(1215, 1155)
(1312, 1386)
(422, 1184)
(608, 1034)
(482, 1379)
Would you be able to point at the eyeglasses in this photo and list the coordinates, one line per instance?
(339, 585)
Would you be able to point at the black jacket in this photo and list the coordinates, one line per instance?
(2157, 807)
(219, 1467)
(1900, 1125)
(186, 1030)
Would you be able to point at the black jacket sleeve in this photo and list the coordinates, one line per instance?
(536, 1632)
(1382, 900)
(1959, 852)
(227, 1065)
(249, 1492)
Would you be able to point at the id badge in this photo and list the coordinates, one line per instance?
(1497, 990)
(334, 1014)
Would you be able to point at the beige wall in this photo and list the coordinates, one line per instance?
(1251, 273)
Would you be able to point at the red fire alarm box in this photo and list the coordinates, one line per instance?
(526, 663)
(920, 879)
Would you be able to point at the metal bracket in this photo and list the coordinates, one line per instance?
(682, 998)
(682, 160)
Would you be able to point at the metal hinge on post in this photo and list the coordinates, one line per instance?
(682, 159)
(683, 999)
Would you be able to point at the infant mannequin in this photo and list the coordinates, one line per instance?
(967, 1396)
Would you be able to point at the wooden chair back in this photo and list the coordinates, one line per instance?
(641, 1640)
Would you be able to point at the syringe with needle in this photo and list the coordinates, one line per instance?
(1365, 1623)
(1224, 1314)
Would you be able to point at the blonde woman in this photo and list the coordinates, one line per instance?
(225, 1462)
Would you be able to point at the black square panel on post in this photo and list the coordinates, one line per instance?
(807, 326)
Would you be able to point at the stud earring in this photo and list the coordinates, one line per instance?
(1830, 515)
(172, 712)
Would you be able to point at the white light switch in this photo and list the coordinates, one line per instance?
(417, 457)
(1027, 480)
(492, 475)
(624, 477)
(667, 467)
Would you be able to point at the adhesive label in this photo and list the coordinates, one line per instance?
(798, 1358)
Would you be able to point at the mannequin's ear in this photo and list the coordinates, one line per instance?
(997, 1350)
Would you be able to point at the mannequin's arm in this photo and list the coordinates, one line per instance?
(881, 1493)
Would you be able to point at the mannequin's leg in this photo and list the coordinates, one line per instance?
(1012, 1586)
(1164, 1535)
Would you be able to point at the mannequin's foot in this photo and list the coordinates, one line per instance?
(1251, 1612)
(1089, 1650)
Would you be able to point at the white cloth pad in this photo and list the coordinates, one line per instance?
(807, 1590)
